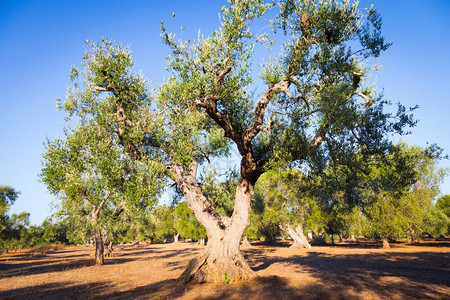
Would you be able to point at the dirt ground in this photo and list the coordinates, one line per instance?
(343, 271)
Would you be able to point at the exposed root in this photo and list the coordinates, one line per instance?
(300, 246)
(217, 270)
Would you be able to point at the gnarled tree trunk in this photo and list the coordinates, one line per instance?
(386, 244)
(175, 237)
(297, 235)
(245, 243)
(221, 261)
(107, 244)
(99, 249)
(410, 238)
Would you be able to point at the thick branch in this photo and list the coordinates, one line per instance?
(102, 203)
(210, 106)
(260, 110)
(96, 209)
(203, 210)
(219, 75)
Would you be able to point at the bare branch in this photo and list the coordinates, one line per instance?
(207, 155)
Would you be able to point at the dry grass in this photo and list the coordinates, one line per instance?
(345, 271)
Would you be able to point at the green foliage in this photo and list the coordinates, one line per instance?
(220, 193)
(163, 217)
(402, 201)
(186, 224)
(8, 194)
(444, 204)
(12, 228)
(88, 168)
(267, 225)
(439, 222)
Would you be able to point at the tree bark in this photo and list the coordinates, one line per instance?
(221, 261)
(99, 249)
(410, 238)
(386, 244)
(175, 237)
(297, 235)
(107, 244)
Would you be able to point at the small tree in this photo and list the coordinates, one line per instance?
(88, 168)
(164, 219)
(8, 196)
(91, 176)
(80, 170)
(284, 194)
(401, 192)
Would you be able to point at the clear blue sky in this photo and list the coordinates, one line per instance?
(41, 40)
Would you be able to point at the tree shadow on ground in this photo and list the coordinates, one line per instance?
(385, 274)
(167, 289)
(269, 287)
(58, 291)
(160, 253)
(44, 266)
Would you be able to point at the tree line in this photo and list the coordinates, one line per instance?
(286, 204)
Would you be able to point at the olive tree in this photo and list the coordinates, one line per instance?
(316, 106)
(8, 196)
(284, 193)
(400, 192)
(88, 168)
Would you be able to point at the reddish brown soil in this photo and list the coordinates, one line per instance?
(344, 271)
